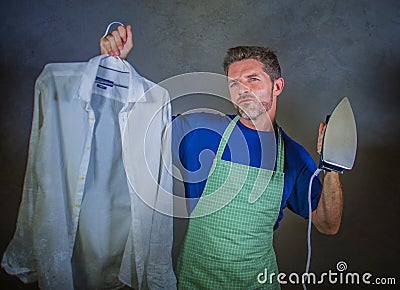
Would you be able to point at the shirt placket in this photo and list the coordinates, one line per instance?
(83, 168)
(123, 120)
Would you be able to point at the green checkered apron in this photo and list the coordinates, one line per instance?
(229, 242)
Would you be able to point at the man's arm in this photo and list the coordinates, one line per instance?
(328, 214)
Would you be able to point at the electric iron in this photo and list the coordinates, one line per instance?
(339, 145)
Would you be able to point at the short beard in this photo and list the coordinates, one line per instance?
(258, 110)
(250, 115)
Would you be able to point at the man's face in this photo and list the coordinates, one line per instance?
(251, 88)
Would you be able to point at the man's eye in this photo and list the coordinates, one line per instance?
(254, 79)
(233, 84)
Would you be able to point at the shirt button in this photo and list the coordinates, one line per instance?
(81, 177)
(87, 147)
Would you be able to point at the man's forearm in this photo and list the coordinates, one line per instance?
(328, 214)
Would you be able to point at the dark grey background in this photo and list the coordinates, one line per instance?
(327, 49)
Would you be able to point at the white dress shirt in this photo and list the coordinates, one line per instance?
(98, 167)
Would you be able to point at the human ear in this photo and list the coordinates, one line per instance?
(278, 86)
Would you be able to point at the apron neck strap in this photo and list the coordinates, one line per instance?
(225, 137)
(280, 158)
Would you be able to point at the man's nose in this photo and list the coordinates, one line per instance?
(243, 89)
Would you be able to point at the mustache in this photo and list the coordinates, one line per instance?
(246, 96)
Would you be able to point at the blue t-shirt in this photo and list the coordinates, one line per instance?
(195, 142)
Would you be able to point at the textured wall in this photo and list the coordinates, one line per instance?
(328, 49)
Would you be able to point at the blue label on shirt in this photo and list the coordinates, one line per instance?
(101, 87)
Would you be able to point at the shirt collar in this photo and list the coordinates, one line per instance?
(135, 90)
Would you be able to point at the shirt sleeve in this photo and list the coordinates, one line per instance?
(160, 274)
(19, 258)
(298, 199)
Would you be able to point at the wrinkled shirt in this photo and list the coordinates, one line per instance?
(97, 182)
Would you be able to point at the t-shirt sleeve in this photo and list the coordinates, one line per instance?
(182, 125)
(195, 139)
(298, 199)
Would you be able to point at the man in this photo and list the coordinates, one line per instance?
(227, 246)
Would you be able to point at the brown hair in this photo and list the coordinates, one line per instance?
(264, 55)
